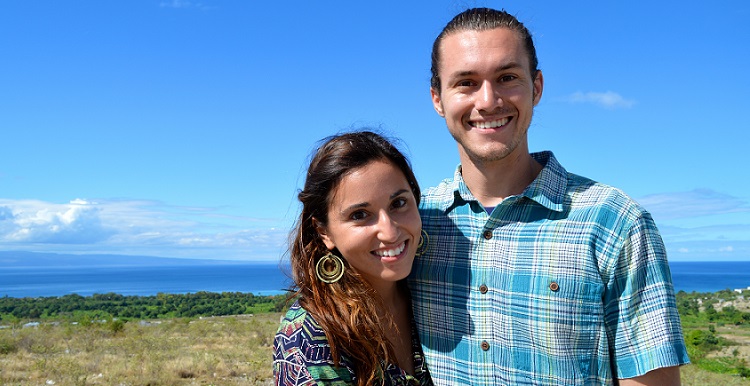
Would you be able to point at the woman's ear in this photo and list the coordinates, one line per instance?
(323, 233)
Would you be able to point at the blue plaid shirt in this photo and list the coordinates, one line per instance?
(564, 284)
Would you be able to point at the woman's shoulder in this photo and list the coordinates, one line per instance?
(302, 352)
(298, 321)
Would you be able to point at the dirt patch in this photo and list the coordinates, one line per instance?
(740, 335)
(741, 303)
(740, 352)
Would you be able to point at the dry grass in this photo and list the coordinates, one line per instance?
(235, 350)
(741, 339)
(693, 376)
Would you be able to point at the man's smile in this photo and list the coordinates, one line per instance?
(490, 124)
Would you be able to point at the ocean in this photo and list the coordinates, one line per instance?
(710, 276)
(256, 278)
(262, 278)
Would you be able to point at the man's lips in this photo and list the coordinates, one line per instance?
(490, 124)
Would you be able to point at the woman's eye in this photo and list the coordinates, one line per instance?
(358, 215)
(399, 203)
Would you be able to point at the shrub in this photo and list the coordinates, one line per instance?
(115, 326)
(705, 340)
(7, 346)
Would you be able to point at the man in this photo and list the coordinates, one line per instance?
(532, 275)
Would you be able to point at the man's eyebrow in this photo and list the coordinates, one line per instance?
(461, 74)
(500, 68)
(508, 66)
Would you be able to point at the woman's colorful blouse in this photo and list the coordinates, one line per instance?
(302, 356)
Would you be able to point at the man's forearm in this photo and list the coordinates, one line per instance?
(665, 376)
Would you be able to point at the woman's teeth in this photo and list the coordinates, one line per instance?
(391, 252)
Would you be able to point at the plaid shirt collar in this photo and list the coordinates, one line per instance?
(547, 189)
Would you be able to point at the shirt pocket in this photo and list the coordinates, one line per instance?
(557, 326)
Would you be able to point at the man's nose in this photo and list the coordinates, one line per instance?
(488, 97)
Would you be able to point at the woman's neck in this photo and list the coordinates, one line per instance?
(390, 294)
(398, 309)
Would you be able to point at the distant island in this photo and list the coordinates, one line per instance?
(24, 259)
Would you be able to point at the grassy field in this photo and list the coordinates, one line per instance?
(230, 350)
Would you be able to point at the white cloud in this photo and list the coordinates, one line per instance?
(694, 203)
(609, 99)
(5, 213)
(702, 224)
(31, 221)
(705, 248)
(183, 4)
(175, 4)
(137, 227)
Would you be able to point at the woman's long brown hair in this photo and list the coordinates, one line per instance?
(347, 310)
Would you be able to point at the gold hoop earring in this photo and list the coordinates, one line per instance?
(330, 268)
(424, 243)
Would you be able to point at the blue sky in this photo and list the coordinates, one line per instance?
(181, 128)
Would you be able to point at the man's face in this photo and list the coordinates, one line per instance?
(487, 94)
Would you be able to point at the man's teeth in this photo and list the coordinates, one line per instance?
(392, 252)
(491, 124)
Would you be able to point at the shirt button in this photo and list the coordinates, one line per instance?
(483, 289)
(554, 286)
(487, 234)
(485, 345)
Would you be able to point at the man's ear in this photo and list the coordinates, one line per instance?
(538, 87)
(323, 232)
(437, 102)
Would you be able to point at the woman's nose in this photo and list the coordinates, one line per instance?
(388, 230)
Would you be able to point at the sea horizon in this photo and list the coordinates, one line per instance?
(180, 277)
(53, 276)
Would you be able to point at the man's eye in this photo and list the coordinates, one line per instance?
(507, 78)
(464, 83)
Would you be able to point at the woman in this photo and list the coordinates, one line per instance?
(353, 245)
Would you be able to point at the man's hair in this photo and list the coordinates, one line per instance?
(482, 19)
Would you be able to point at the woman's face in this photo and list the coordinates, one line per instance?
(374, 222)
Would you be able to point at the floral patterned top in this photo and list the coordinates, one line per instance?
(302, 356)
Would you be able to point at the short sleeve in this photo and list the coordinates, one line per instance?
(643, 325)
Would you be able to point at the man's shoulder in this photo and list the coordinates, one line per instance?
(556, 177)
(446, 185)
(439, 193)
(584, 192)
(585, 187)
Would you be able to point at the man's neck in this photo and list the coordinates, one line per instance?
(491, 182)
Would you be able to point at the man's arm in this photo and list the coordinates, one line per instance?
(665, 376)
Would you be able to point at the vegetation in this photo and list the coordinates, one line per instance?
(717, 330)
(111, 305)
(230, 350)
(182, 339)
